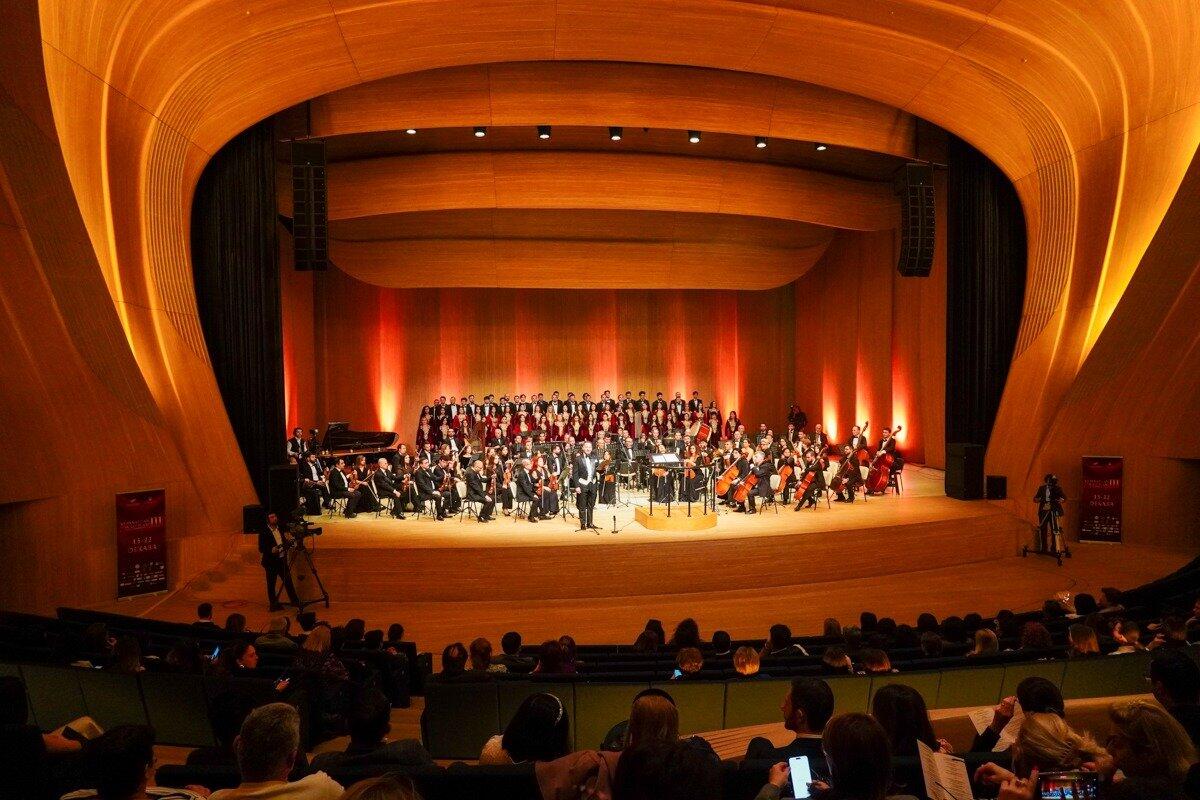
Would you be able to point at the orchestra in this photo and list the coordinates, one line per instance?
(529, 456)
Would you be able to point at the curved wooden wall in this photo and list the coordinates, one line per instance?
(1091, 108)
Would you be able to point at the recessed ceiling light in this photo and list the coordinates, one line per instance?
(410, 131)
(480, 131)
(760, 142)
(821, 148)
(694, 137)
(543, 131)
(615, 132)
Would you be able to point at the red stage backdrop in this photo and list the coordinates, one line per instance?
(1100, 499)
(141, 542)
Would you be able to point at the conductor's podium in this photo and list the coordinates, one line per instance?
(675, 517)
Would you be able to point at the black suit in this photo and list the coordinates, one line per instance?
(477, 493)
(696, 405)
(857, 442)
(427, 489)
(761, 749)
(275, 566)
(762, 489)
(586, 499)
(816, 488)
(315, 494)
(527, 493)
(339, 487)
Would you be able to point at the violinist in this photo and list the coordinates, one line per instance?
(360, 479)
(339, 488)
(502, 468)
(813, 468)
(849, 475)
(445, 474)
(429, 489)
(548, 494)
(387, 485)
(762, 469)
(691, 483)
(662, 481)
(526, 484)
(477, 491)
(314, 487)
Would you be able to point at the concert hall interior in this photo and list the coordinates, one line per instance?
(968, 226)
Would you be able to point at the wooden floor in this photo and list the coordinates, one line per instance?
(896, 556)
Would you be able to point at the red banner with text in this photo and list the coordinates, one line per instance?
(1100, 499)
(141, 542)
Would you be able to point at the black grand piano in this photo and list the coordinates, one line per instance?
(340, 440)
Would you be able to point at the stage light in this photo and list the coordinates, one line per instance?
(694, 137)
(821, 148)
(411, 131)
(480, 131)
(760, 142)
(543, 131)
(614, 132)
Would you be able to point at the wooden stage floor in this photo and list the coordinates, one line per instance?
(894, 555)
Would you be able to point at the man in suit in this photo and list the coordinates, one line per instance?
(313, 486)
(427, 488)
(386, 486)
(815, 489)
(477, 491)
(851, 474)
(819, 437)
(584, 478)
(273, 542)
(314, 440)
(763, 469)
(658, 403)
(443, 475)
(641, 404)
(297, 448)
(857, 440)
(696, 405)
(678, 407)
(555, 405)
(526, 492)
(587, 406)
(806, 708)
(572, 405)
(339, 488)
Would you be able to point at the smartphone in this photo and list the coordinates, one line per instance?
(801, 775)
(1073, 785)
(216, 653)
(676, 674)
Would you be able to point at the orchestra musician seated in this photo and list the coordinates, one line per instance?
(297, 448)
(849, 476)
(339, 488)
(526, 491)
(386, 485)
(813, 471)
(314, 487)
(427, 489)
(762, 469)
(477, 491)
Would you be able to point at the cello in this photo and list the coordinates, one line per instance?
(726, 480)
(810, 474)
(881, 467)
(785, 472)
(742, 492)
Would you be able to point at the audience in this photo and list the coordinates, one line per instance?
(267, 748)
(454, 666)
(510, 658)
(986, 644)
(688, 663)
(552, 659)
(1082, 641)
(204, 619)
(1035, 695)
(540, 730)
(1045, 743)
(481, 657)
(646, 642)
(570, 664)
(655, 626)
(1175, 681)
(687, 634)
(836, 661)
(387, 787)
(832, 628)
(1035, 636)
(127, 656)
(901, 711)
(237, 657)
(1128, 636)
(370, 722)
(876, 662)
(1172, 632)
(667, 770)
(806, 709)
(779, 642)
(747, 662)
(276, 638)
(315, 656)
(235, 623)
(722, 644)
(124, 768)
(932, 644)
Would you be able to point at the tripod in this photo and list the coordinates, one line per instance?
(1050, 535)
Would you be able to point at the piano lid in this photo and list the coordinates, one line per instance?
(341, 440)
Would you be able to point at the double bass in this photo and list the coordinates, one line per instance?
(862, 454)
(881, 467)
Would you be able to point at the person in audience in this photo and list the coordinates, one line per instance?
(1150, 753)
(986, 644)
(867, 622)
(237, 657)
(538, 731)
(185, 658)
(932, 644)
(907, 637)
(267, 747)
(927, 622)
(646, 642)
(832, 628)
(858, 759)
(551, 659)
(1085, 604)
(204, 619)
(511, 658)
(853, 639)
(1127, 633)
(779, 643)
(668, 770)
(124, 768)
(276, 638)
(226, 713)
(480, 654)
(1172, 632)
(656, 626)
(807, 707)
(570, 660)
(235, 623)
(1082, 641)
(307, 620)
(901, 711)
(316, 657)
(454, 666)
(1175, 681)
(722, 644)
(836, 661)
(19, 735)
(395, 634)
(1045, 743)
(1035, 694)
(747, 662)
(1035, 636)
(385, 787)
(370, 722)
(954, 630)
(127, 656)
(687, 634)
(876, 662)
(688, 664)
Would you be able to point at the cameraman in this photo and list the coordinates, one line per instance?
(1050, 498)
(273, 544)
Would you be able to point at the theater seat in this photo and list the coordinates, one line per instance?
(459, 718)
(512, 693)
(701, 704)
(600, 706)
(1106, 676)
(977, 686)
(54, 695)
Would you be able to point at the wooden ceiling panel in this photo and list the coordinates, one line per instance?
(605, 181)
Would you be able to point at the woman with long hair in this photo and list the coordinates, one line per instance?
(901, 711)
(538, 731)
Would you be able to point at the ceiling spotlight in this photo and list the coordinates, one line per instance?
(480, 131)
(694, 137)
(543, 131)
(821, 148)
(614, 132)
(410, 131)
(760, 142)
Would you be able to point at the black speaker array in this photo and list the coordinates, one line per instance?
(997, 487)
(917, 221)
(964, 471)
(310, 210)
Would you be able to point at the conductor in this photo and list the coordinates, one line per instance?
(584, 477)
(273, 544)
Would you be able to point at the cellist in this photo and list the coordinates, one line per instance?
(815, 468)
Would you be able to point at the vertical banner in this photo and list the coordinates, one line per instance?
(141, 543)
(1100, 499)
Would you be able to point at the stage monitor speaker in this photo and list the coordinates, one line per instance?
(916, 221)
(253, 517)
(964, 471)
(281, 486)
(310, 211)
(997, 487)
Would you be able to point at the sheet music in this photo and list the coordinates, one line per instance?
(981, 718)
(945, 775)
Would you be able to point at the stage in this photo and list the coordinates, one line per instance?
(895, 555)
